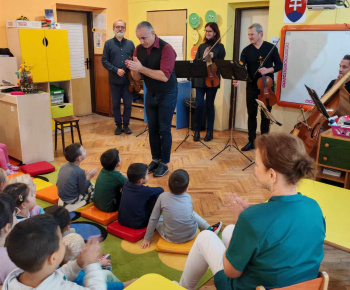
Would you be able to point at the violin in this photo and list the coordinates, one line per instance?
(212, 80)
(265, 84)
(336, 102)
(134, 86)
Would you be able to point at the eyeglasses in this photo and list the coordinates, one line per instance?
(120, 27)
(209, 31)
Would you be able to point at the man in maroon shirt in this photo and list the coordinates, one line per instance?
(154, 60)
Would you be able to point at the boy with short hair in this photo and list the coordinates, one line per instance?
(36, 247)
(137, 200)
(109, 183)
(179, 222)
(73, 183)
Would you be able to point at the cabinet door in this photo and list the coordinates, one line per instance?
(58, 55)
(33, 53)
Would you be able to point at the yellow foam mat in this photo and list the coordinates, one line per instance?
(334, 202)
(167, 247)
(41, 184)
(153, 282)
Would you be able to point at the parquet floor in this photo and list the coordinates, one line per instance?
(209, 180)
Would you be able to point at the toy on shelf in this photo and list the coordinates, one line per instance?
(25, 79)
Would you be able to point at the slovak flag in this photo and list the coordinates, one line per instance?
(295, 11)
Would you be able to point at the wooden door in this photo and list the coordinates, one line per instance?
(33, 53)
(81, 88)
(58, 55)
(102, 91)
(170, 23)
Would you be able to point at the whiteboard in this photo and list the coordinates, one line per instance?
(310, 58)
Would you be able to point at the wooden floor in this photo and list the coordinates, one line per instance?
(209, 180)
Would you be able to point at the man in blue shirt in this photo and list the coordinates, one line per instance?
(115, 52)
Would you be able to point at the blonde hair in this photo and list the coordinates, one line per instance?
(3, 179)
(74, 243)
(23, 178)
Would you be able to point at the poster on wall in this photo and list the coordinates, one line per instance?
(295, 11)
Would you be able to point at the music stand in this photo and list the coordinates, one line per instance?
(232, 70)
(318, 103)
(190, 69)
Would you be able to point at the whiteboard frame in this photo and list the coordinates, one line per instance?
(331, 27)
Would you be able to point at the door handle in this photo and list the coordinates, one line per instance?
(87, 62)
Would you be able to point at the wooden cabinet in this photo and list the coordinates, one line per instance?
(46, 51)
(333, 153)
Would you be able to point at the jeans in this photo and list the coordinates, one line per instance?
(207, 251)
(210, 97)
(252, 109)
(160, 109)
(121, 92)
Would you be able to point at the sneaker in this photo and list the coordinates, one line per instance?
(215, 228)
(152, 166)
(161, 170)
(10, 172)
(118, 131)
(127, 129)
(13, 167)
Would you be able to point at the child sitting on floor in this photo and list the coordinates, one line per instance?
(74, 243)
(25, 178)
(24, 198)
(62, 216)
(179, 222)
(3, 179)
(73, 183)
(109, 183)
(137, 200)
(36, 247)
(5, 162)
(7, 222)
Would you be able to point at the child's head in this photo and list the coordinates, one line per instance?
(22, 194)
(75, 152)
(36, 244)
(110, 159)
(24, 178)
(73, 243)
(3, 179)
(178, 181)
(7, 215)
(138, 173)
(61, 215)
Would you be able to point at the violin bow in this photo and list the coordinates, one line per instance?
(217, 42)
(261, 65)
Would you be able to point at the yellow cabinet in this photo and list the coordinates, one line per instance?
(47, 51)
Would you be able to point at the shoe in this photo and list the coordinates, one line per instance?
(248, 146)
(127, 129)
(118, 131)
(13, 167)
(197, 136)
(153, 166)
(209, 136)
(161, 170)
(215, 228)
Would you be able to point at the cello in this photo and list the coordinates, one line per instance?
(265, 83)
(336, 102)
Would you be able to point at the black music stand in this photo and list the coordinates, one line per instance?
(190, 69)
(232, 70)
(318, 103)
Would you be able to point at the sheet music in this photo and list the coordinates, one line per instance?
(76, 49)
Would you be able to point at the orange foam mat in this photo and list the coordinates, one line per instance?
(48, 194)
(93, 213)
(167, 247)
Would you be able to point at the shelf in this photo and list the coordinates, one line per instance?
(340, 179)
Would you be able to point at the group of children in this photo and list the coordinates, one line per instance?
(49, 254)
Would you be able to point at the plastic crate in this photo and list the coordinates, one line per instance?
(341, 131)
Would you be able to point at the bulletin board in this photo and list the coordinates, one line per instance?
(311, 55)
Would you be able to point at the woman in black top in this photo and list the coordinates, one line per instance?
(212, 34)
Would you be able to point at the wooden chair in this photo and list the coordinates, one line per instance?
(60, 124)
(320, 283)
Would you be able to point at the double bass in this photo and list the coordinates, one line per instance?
(336, 102)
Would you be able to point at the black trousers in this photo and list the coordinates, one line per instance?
(252, 109)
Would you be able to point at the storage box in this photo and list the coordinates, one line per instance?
(341, 131)
(57, 99)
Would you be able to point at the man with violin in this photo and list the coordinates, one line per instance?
(154, 60)
(115, 52)
(251, 56)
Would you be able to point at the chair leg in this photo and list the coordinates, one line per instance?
(62, 130)
(55, 136)
(77, 125)
(71, 131)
